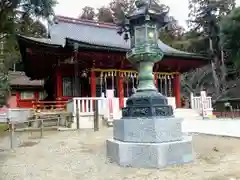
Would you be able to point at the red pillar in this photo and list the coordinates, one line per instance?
(36, 95)
(156, 80)
(120, 91)
(59, 91)
(18, 98)
(93, 84)
(177, 90)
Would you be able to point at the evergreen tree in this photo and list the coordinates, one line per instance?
(105, 14)
(204, 18)
(19, 17)
(229, 35)
(88, 13)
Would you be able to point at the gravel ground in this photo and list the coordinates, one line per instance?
(80, 155)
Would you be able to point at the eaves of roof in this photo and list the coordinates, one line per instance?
(40, 41)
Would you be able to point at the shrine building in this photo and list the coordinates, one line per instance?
(85, 58)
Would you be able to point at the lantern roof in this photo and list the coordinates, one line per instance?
(155, 13)
(96, 35)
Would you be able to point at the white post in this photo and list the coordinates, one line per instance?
(110, 96)
(203, 102)
(74, 124)
(101, 106)
(192, 101)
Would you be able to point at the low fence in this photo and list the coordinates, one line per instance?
(39, 124)
(111, 106)
(85, 105)
(203, 104)
(87, 112)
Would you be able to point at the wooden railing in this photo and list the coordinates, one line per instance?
(49, 105)
(196, 102)
(80, 105)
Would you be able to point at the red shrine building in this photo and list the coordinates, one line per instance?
(23, 90)
(85, 58)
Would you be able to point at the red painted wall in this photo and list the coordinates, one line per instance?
(15, 101)
(25, 103)
(12, 101)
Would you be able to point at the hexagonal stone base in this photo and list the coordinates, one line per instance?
(148, 130)
(150, 155)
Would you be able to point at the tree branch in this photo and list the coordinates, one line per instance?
(223, 93)
(187, 87)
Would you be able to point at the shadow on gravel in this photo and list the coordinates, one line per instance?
(20, 140)
(4, 149)
(4, 155)
(28, 144)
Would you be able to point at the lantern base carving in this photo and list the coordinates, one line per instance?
(147, 103)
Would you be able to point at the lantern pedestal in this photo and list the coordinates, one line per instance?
(151, 142)
(149, 155)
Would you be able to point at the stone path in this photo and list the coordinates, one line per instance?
(81, 155)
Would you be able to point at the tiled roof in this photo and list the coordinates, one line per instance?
(18, 78)
(94, 33)
(89, 33)
(103, 34)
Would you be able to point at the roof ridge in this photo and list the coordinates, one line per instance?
(85, 22)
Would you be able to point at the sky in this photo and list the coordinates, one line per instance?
(72, 8)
